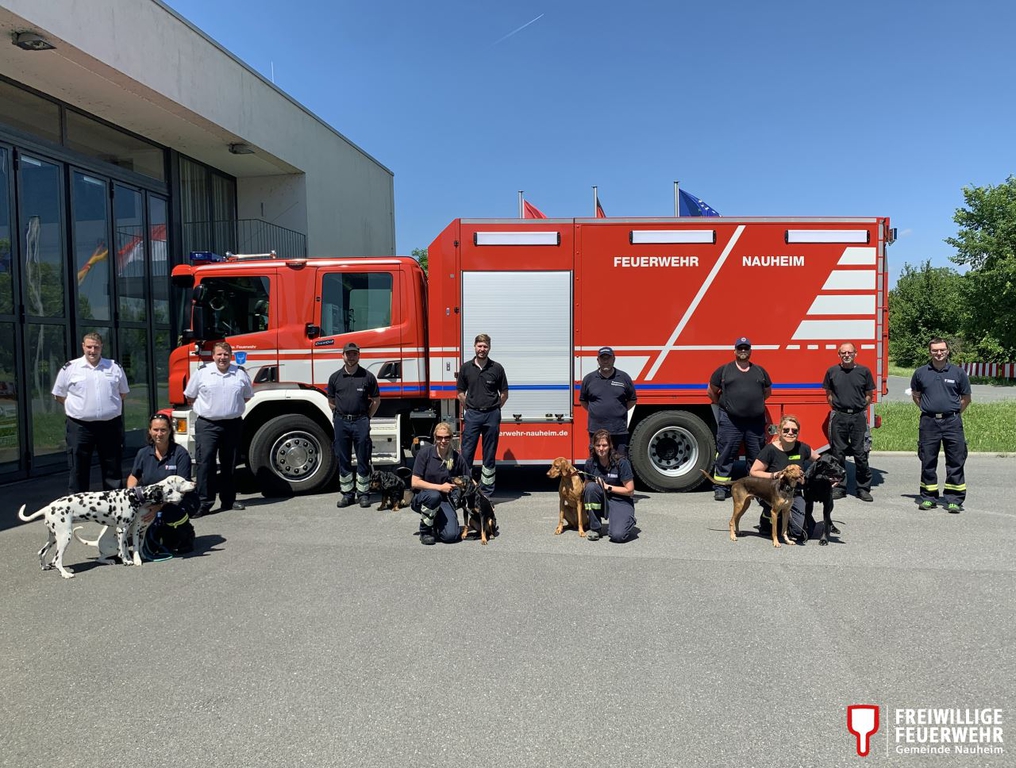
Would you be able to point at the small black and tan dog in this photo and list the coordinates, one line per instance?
(477, 511)
(392, 486)
(820, 479)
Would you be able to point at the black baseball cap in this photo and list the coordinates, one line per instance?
(605, 352)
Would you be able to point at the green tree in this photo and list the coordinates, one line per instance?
(986, 242)
(420, 254)
(926, 302)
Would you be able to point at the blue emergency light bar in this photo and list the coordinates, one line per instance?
(205, 256)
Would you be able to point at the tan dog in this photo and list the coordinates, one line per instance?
(569, 492)
(777, 492)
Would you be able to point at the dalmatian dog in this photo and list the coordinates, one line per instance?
(118, 509)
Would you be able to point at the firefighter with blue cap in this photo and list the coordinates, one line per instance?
(354, 397)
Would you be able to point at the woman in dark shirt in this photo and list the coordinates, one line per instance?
(433, 471)
(777, 456)
(610, 490)
(160, 459)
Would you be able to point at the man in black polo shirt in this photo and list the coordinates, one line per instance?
(942, 391)
(354, 397)
(483, 389)
(740, 388)
(608, 394)
(850, 388)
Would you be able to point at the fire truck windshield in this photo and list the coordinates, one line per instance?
(230, 306)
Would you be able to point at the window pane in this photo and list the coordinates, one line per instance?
(6, 237)
(42, 237)
(224, 214)
(133, 359)
(46, 355)
(355, 302)
(10, 446)
(236, 305)
(194, 208)
(161, 354)
(91, 251)
(131, 265)
(161, 267)
(29, 113)
(95, 139)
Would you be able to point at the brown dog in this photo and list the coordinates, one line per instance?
(777, 492)
(569, 492)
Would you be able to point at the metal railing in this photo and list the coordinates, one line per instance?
(243, 236)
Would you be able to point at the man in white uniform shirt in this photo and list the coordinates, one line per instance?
(219, 394)
(91, 390)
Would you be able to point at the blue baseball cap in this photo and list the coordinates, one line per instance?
(742, 342)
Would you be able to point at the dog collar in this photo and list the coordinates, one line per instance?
(139, 494)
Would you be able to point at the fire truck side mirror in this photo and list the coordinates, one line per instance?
(312, 331)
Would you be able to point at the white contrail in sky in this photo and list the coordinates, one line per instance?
(516, 31)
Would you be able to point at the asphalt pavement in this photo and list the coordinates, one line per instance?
(303, 635)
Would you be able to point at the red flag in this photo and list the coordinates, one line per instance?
(599, 209)
(530, 211)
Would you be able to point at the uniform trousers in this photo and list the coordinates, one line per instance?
(946, 432)
(485, 425)
(84, 438)
(348, 434)
(217, 438)
(434, 505)
(847, 431)
(731, 431)
(618, 510)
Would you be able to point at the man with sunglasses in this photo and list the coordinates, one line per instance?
(850, 389)
(354, 397)
(740, 389)
(942, 391)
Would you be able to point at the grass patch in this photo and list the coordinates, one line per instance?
(988, 427)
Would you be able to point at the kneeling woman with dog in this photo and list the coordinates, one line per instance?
(163, 458)
(609, 491)
(433, 471)
(785, 450)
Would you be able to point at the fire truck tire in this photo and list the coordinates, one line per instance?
(292, 454)
(668, 448)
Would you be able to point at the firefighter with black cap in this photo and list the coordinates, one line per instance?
(354, 397)
(740, 389)
(483, 389)
(942, 391)
(608, 394)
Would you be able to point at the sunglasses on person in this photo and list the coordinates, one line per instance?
(442, 438)
(789, 431)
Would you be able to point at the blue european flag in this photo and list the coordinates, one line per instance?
(693, 206)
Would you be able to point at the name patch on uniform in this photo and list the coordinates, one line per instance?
(617, 383)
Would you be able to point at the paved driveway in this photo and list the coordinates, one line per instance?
(301, 635)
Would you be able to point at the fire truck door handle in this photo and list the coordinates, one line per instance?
(312, 330)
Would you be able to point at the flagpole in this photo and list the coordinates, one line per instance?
(520, 204)
(596, 199)
(677, 199)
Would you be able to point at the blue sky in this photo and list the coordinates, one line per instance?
(761, 109)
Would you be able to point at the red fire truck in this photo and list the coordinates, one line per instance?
(669, 295)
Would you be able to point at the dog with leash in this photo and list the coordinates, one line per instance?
(477, 511)
(118, 509)
(777, 492)
(569, 496)
(820, 479)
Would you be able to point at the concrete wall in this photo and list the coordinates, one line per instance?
(137, 64)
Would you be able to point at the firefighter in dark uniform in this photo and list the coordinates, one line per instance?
(219, 395)
(483, 390)
(354, 397)
(942, 391)
(608, 394)
(91, 390)
(740, 389)
(850, 388)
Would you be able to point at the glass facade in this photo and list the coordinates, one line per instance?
(87, 243)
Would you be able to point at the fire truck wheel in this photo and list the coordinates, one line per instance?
(292, 454)
(668, 448)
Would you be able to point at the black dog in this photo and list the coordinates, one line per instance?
(477, 511)
(391, 486)
(819, 481)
